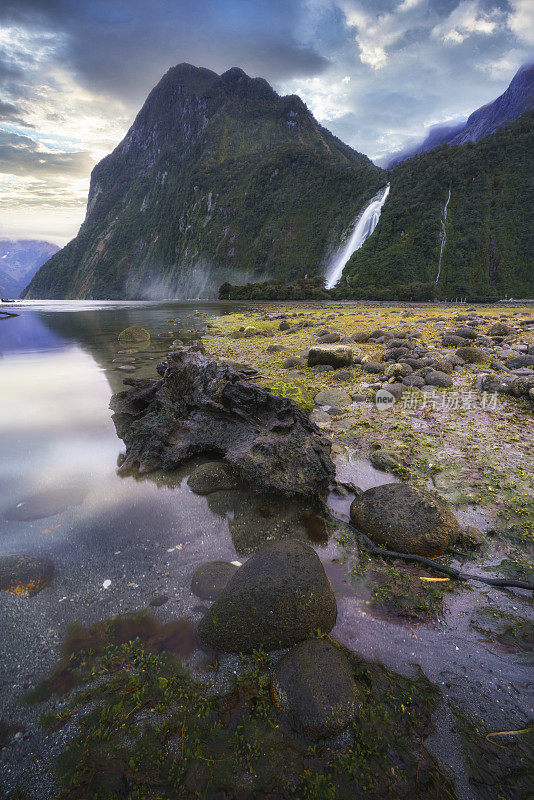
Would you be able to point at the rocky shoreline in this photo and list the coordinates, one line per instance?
(271, 399)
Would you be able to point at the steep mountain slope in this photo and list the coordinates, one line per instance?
(19, 261)
(219, 178)
(489, 245)
(517, 100)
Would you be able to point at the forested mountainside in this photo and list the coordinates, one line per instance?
(489, 237)
(219, 178)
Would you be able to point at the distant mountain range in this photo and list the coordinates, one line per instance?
(220, 180)
(517, 100)
(19, 261)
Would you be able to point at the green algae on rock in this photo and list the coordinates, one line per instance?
(314, 688)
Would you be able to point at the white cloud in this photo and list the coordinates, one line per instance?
(521, 20)
(466, 19)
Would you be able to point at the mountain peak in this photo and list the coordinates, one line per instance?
(518, 99)
(219, 178)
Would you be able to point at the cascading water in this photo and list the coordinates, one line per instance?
(365, 225)
(443, 234)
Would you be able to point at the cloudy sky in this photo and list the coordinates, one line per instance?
(73, 73)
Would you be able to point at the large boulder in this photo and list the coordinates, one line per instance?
(474, 355)
(523, 360)
(438, 378)
(314, 689)
(337, 355)
(204, 407)
(405, 519)
(279, 597)
(500, 329)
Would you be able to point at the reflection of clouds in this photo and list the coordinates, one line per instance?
(53, 392)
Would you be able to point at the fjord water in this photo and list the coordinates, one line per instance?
(363, 228)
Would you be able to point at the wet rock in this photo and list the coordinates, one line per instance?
(292, 362)
(201, 406)
(279, 597)
(212, 477)
(210, 579)
(520, 361)
(328, 338)
(25, 574)
(46, 504)
(438, 378)
(135, 335)
(314, 689)
(406, 519)
(332, 397)
(159, 600)
(474, 355)
(384, 460)
(500, 329)
(470, 538)
(372, 367)
(335, 355)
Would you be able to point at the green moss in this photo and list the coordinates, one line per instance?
(146, 729)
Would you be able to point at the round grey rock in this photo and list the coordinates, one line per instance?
(279, 597)
(314, 689)
(474, 355)
(406, 519)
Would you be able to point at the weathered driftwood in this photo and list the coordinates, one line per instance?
(202, 407)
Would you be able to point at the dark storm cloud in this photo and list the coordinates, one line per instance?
(122, 48)
(22, 156)
(9, 112)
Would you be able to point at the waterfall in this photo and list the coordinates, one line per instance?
(363, 228)
(443, 234)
